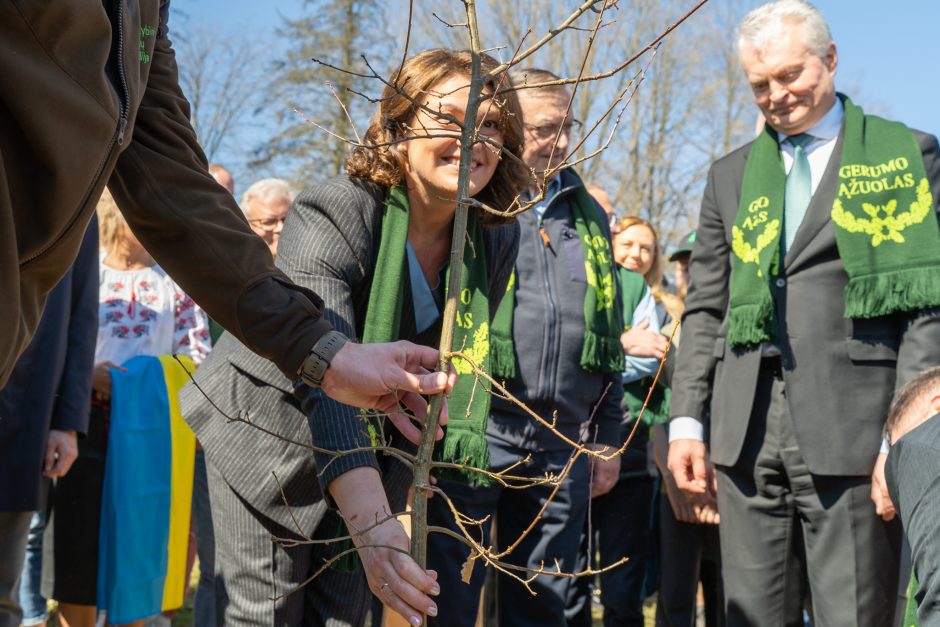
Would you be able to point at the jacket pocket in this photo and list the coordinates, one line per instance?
(872, 348)
(574, 254)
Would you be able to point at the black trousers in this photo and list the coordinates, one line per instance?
(772, 506)
(554, 538)
(688, 553)
(619, 527)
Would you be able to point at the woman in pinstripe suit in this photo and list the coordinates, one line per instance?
(330, 244)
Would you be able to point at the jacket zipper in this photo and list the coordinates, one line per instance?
(117, 138)
(549, 373)
(125, 92)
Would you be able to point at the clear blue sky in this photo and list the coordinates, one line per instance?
(886, 49)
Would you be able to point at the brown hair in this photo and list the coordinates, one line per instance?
(654, 278)
(380, 161)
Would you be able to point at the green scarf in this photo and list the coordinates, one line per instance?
(889, 248)
(468, 406)
(632, 290)
(601, 351)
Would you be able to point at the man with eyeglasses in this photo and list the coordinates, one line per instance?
(266, 203)
(554, 328)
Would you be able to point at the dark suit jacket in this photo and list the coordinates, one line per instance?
(329, 244)
(841, 374)
(50, 387)
(913, 476)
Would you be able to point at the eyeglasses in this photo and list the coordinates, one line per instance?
(544, 131)
(268, 224)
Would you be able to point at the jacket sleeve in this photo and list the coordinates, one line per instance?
(920, 330)
(704, 310)
(73, 397)
(195, 230)
(326, 246)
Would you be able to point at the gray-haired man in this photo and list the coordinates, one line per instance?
(805, 309)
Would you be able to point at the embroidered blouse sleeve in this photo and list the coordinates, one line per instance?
(190, 328)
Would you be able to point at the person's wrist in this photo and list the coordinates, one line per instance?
(321, 356)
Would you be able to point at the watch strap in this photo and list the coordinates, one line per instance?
(320, 357)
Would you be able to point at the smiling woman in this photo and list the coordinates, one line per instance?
(375, 245)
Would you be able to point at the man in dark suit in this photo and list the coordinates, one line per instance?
(43, 407)
(913, 477)
(811, 299)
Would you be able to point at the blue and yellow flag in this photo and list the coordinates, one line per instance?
(147, 496)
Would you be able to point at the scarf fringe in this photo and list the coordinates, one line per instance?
(601, 353)
(468, 448)
(502, 357)
(748, 324)
(889, 292)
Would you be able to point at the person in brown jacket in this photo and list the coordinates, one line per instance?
(91, 97)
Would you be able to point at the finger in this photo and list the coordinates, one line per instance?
(411, 586)
(713, 484)
(643, 325)
(699, 473)
(416, 405)
(52, 454)
(427, 384)
(442, 419)
(420, 356)
(390, 599)
(403, 423)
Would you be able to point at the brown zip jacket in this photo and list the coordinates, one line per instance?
(90, 97)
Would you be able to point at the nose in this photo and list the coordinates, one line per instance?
(279, 226)
(778, 91)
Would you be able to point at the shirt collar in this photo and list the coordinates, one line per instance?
(828, 126)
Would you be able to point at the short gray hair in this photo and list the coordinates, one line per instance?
(266, 190)
(765, 23)
(534, 76)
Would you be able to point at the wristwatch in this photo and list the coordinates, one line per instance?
(320, 356)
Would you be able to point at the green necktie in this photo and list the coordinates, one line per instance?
(799, 188)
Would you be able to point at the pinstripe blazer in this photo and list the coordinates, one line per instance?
(329, 244)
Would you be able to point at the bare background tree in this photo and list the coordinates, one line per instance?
(300, 90)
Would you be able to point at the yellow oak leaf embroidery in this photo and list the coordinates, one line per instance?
(477, 351)
(748, 253)
(883, 224)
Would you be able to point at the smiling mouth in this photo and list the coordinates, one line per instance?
(455, 161)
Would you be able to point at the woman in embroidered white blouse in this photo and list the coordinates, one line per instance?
(141, 311)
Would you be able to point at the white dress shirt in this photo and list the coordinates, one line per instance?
(818, 152)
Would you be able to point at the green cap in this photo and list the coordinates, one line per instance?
(684, 248)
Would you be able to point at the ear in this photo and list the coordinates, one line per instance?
(935, 402)
(832, 58)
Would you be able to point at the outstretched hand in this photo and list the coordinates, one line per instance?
(390, 378)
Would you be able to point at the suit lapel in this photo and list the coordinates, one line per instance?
(819, 211)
